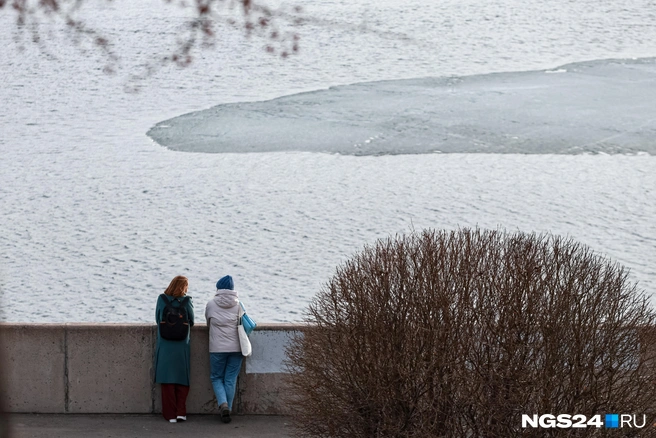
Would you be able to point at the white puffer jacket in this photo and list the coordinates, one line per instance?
(222, 314)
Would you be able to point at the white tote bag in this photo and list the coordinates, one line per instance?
(246, 349)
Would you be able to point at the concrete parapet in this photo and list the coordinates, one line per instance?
(263, 379)
(108, 368)
(201, 398)
(35, 365)
(262, 393)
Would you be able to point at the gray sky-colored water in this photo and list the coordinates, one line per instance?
(93, 211)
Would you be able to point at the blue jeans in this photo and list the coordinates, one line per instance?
(224, 369)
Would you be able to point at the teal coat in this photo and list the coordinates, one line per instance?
(172, 357)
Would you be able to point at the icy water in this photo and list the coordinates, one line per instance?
(589, 107)
(96, 218)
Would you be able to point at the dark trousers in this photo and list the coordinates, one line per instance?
(174, 400)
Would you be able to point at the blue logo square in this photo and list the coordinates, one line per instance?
(612, 421)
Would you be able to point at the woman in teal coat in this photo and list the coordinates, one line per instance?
(172, 356)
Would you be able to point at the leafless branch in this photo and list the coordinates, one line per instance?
(456, 334)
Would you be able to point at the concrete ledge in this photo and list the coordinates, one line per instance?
(108, 368)
(263, 393)
(35, 366)
(201, 395)
(281, 327)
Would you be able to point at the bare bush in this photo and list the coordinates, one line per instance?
(457, 334)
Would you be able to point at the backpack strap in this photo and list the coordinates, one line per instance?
(166, 304)
(182, 301)
(240, 313)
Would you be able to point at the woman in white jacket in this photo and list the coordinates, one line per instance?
(222, 315)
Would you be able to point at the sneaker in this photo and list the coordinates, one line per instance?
(182, 418)
(225, 414)
(173, 420)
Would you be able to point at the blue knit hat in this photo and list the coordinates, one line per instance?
(225, 283)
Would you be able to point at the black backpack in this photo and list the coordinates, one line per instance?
(174, 325)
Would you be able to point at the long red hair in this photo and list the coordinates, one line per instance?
(178, 287)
